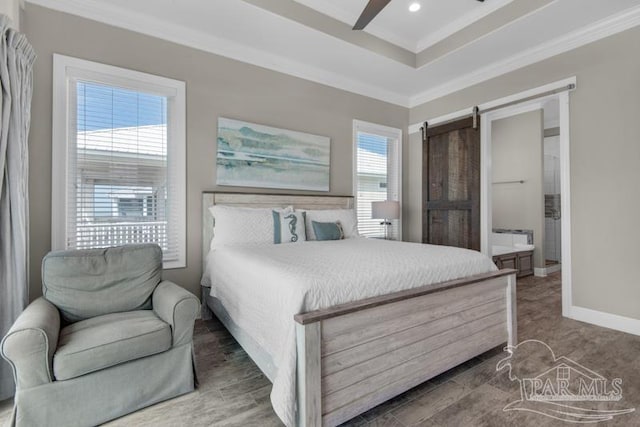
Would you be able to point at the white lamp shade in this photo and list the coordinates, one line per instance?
(389, 209)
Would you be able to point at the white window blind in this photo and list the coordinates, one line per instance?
(123, 180)
(378, 176)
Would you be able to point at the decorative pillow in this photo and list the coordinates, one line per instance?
(289, 227)
(237, 226)
(347, 218)
(328, 230)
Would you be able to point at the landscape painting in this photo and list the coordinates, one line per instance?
(252, 155)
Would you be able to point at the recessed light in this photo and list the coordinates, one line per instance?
(414, 7)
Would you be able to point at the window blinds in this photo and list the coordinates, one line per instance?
(118, 177)
(378, 179)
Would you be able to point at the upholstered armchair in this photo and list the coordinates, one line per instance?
(107, 338)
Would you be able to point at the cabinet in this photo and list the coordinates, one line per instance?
(521, 261)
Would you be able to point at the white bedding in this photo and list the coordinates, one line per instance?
(263, 287)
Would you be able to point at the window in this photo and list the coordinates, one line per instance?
(378, 175)
(118, 159)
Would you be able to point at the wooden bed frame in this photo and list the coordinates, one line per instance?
(354, 356)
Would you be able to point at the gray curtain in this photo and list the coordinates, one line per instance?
(16, 84)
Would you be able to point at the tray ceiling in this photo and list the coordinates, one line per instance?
(406, 59)
(414, 31)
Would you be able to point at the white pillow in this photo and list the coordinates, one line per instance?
(347, 218)
(237, 226)
(289, 227)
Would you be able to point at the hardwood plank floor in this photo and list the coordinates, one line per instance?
(233, 391)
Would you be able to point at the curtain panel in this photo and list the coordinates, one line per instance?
(16, 85)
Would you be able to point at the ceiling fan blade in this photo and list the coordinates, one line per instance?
(370, 11)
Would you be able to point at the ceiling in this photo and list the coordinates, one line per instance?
(402, 58)
(436, 19)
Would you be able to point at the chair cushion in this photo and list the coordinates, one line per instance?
(93, 282)
(104, 341)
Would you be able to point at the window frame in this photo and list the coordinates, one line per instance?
(387, 132)
(66, 70)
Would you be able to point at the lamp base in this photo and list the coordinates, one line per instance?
(386, 224)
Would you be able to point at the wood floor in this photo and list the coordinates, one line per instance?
(233, 392)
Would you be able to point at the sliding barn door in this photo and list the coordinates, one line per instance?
(451, 185)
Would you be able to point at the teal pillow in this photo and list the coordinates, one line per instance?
(289, 227)
(327, 230)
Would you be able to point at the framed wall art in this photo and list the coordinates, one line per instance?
(253, 155)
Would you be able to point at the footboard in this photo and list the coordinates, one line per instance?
(355, 356)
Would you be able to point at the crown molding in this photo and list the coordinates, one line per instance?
(536, 91)
(318, 21)
(447, 30)
(143, 24)
(463, 22)
(334, 12)
(604, 28)
(140, 23)
(470, 36)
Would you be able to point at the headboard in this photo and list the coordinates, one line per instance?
(252, 200)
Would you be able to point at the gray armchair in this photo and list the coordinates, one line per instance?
(107, 338)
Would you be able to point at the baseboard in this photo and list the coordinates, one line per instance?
(553, 268)
(540, 272)
(607, 320)
(544, 272)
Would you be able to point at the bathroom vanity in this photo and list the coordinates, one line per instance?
(521, 261)
(513, 249)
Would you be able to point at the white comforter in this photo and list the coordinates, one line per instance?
(263, 287)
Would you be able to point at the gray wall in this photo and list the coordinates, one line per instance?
(216, 86)
(605, 154)
(517, 154)
(605, 196)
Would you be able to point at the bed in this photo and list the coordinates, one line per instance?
(336, 341)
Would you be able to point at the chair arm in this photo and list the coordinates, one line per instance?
(31, 342)
(179, 308)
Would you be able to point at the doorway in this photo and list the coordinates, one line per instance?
(559, 212)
